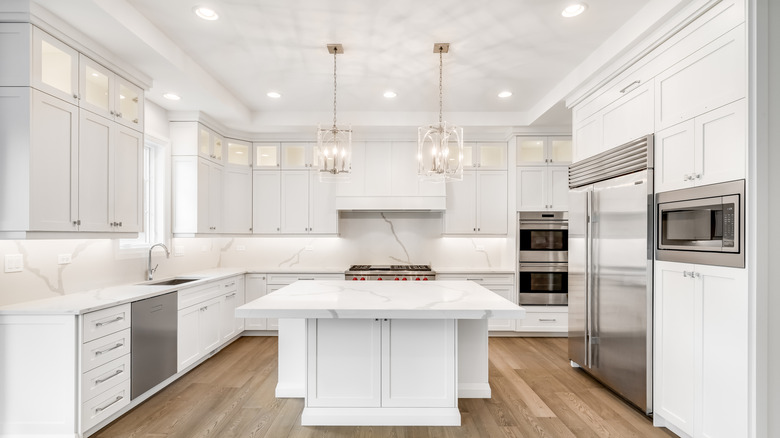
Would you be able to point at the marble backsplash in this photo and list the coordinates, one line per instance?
(365, 237)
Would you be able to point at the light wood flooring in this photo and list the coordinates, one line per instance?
(535, 394)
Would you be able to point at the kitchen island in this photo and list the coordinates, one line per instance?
(382, 353)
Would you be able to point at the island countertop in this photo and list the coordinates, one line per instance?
(376, 299)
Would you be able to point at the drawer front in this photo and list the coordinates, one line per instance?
(104, 405)
(544, 322)
(198, 294)
(104, 377)
(104, 322)
(230, 285)
(286, 279)
(104, 350)
(481, 279)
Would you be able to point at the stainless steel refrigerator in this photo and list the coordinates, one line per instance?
(611, 269)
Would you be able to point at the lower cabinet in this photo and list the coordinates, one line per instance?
(392, 363)
(550, 320)
(701, 350)
(501, 284)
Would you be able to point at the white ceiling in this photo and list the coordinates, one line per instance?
(224, 68)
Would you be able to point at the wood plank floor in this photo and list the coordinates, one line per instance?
(535, 394)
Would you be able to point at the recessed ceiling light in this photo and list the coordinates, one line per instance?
(574, 9)
(505, 94)
(273, 95)
(390, 94)
(206, 13)
(171, 96)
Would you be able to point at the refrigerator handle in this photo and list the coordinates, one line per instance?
(589, 280)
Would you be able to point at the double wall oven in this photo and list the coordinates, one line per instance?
(543, 255)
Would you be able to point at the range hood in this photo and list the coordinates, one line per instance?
(391, 203)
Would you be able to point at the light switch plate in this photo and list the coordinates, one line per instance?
(14, 263)
(63, 259)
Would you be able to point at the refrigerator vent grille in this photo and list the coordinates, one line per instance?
(621, 160)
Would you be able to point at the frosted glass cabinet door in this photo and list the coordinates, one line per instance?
(129, 104)
(96, 83)
(531, 151)
(239, 153)
(560, 150)
(55, 67)
(297, 155)
(491, 155)
(266, 156)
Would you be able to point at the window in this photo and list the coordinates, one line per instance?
(154, 183)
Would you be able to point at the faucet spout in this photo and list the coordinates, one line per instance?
(151, 270)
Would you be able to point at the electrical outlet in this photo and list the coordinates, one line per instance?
(479, 247)
(240, 248)
(14, 263)
(63, 259)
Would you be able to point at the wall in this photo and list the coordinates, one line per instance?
(378, 238)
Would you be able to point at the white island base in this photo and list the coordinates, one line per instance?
(382, 371)
(382, 354)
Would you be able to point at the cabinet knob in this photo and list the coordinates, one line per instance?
(120, 224)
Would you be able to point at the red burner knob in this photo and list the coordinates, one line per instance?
(362, 278)
(379, 279)
(404, 279)
(417, 279)
(425, 279)
(354, 278)
(396, 278)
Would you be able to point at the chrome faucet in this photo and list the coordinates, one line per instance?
(167, 255)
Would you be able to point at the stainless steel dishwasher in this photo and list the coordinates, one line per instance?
(153, 336)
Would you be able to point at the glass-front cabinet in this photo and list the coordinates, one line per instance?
(239, 153)
(484, 155)
(266, 156)
(210, 144)
(533, 151)
(298, 155)
(55, 67)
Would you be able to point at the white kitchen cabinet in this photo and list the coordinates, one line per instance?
(109, 95)
(543, 151)
(239, 154)
(545, 320)
(501, 284)
(701, 358)
(197, 195)
(199, 331)
(55, 67)
(393, 363)
(193, 138)
(477, 204)
(543, 188)
(255, 288)
(237, 201)
(706, 79)
(707, 149)
(266, 156)
(234, 296)
(307, 204)
(110, 188)
(266, 202)
(484, 155)
(298, 155)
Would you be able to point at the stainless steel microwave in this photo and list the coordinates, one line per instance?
(704, 225)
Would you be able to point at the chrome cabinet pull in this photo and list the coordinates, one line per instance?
(636, 82)
(475, 279)
(119, 345)
(99, 381)
(312, 278)
(103, 408)
(231, 295)
(102, 323)
(547, 319)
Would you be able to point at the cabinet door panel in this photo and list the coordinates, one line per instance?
(55, 67)
(53, 182)
(237, 201)
(323, 216)
(720, 143)
(214, 204)
(675, 157)
(378, 172)
(675, 367)
(209, 326)
(187, 351)
(492, 202)
(255, 288)
(129, 104)
(204, 226)
(266, 202)
(724, 352)
(128, 195)
(629, 118)
(97, 87)
(531, 182)
(460, 217)
(334, 382)
(418, 358)
(95, 138)
(295, 201)
(588, 138)
(403, 162)
(502, 324)
(558, 188)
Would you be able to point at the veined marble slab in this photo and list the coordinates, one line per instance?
(377, 299)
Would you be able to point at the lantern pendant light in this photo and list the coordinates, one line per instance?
(334, 145)
(440, 146)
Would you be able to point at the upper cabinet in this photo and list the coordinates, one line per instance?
(542, 173)
(484, 155)
(239, 153)
(298, 155)
(55, 67)
(109, 95)
(193, 138)
(267, 156)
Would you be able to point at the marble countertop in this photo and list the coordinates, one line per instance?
(375, 299)
(96, 299)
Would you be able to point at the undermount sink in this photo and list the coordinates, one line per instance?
(171, 281)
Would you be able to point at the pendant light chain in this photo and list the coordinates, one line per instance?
(334, 88)
(441, 49)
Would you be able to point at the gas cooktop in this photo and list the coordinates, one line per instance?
(390, 272)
